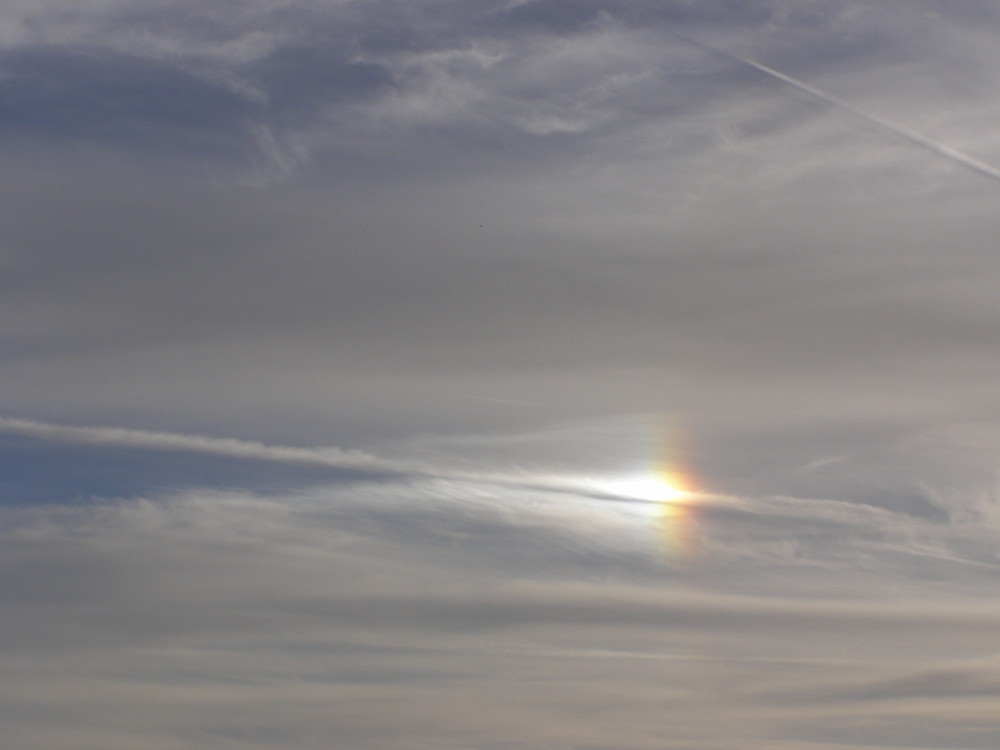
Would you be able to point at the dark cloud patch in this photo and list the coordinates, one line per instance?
(218, 22)
(305, 81)
(725, 13)
(34, 472)
(256, 84)
(978, 13)
(557, 16)
(123, 100)
(265, 88)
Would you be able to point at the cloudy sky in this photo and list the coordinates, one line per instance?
(499, 374)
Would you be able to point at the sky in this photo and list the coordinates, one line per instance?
(499, 374)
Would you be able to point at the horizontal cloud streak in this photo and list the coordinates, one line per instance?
(346, 602)
(331, 457)
(527, 256)
(231, 447)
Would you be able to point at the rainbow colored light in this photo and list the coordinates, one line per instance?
(671, 489)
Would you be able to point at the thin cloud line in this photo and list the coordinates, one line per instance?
(177, 442)
(323, 456)
(252, 450)
(918, 139)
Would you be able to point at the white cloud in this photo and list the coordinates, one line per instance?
(468, 238)
(169, 441)
(286, 621)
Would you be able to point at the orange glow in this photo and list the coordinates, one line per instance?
(653, 487)
(676, 516)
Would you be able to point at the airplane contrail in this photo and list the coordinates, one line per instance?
(325, 456)
(912, 136)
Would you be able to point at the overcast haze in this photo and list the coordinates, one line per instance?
(498, 374)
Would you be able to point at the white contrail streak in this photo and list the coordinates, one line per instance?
(910, 135)
(324, 456)
(252, 450)
(331, 457)
(378, 467)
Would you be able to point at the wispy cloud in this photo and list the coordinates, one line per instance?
(344, 602)
(498, 245)
(891, 128)
(172, 441)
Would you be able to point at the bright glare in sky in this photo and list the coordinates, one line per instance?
(647, 486)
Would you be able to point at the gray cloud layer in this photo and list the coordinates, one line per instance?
(522, 240)
(520, 215)
(366, 615)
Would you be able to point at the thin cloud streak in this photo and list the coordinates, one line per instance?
(216, 612)
(918, 139)
(326, 456)
(499, 248)
(176, 442)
